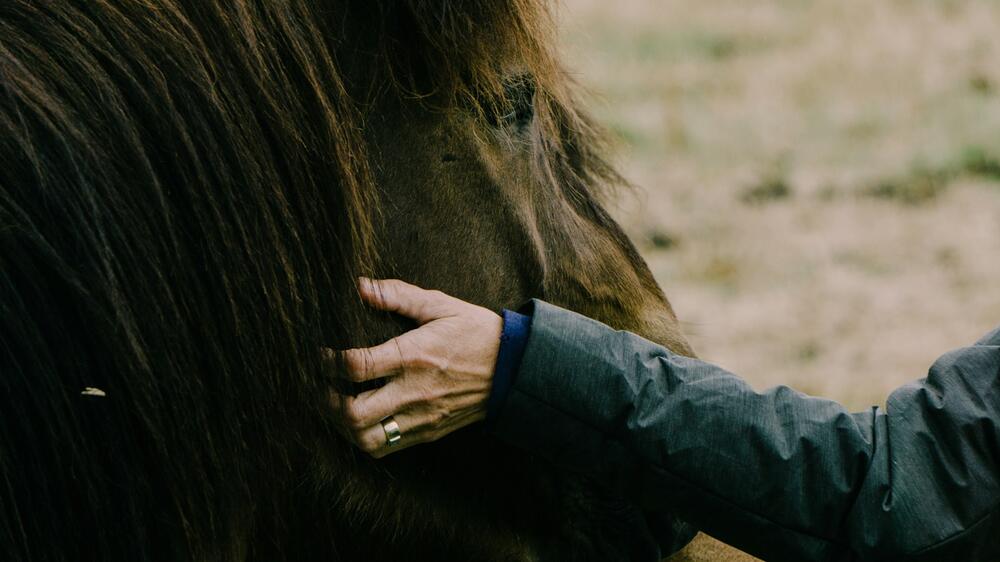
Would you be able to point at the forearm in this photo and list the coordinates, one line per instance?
(773, 472)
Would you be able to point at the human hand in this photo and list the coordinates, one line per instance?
(438, 376)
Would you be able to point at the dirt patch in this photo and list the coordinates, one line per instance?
(875, 247)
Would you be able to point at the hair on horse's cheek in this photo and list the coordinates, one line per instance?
(448, 157)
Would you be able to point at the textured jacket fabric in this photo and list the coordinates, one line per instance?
(779, 474)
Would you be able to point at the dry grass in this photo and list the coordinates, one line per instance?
(820, 180)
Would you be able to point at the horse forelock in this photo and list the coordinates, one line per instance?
(466, 55)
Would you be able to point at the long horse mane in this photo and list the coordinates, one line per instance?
(185, 201)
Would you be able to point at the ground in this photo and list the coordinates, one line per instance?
(818, 182)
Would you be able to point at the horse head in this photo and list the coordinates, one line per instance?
(188, 191)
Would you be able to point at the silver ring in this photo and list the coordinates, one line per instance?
(392, 433)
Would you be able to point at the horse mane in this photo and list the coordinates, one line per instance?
(185, 203)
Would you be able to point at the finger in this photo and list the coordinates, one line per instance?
(408, 300)
(335, 364)
(383, 360)
(374, 440)
(337, 407)
(415, 427)
(368, 408)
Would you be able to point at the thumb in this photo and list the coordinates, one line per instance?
(408, 300)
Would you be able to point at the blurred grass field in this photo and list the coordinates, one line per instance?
(819, 181)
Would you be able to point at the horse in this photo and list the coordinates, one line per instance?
(189, 190)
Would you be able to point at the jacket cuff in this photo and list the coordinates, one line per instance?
(557, 393)
(513, 340)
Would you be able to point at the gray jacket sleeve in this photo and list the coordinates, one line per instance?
(779, 474)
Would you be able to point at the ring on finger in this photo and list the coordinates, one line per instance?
(392, 434)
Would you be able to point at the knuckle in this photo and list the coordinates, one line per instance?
(431, 362)
(442, 365)
(408, 355)
(437, 417)
(419, 360)
(370, 444)
(357, 374)
(358, 363)
(430, 303)
(354, 416)
(393, 286)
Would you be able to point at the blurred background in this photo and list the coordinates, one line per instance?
(818, 182)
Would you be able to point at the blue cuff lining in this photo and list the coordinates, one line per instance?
(513, 339)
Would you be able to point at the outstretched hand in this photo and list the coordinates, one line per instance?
(438, 376)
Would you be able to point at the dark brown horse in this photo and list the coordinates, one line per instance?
(188, 190)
